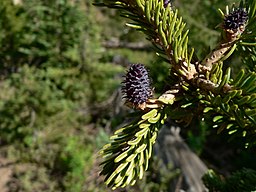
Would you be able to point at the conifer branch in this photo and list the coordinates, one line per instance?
(198, 88)
(163, 27)
(130, 148)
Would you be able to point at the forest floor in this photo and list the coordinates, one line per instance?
(5, 174)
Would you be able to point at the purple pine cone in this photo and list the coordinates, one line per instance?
(166, 2)
(136, 86)
(235, 19)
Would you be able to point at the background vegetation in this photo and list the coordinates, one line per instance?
(60, 75)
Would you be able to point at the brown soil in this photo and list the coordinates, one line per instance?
(5, 174)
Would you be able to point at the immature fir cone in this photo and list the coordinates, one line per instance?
(136, 86)
(166, 3)
(236, 19)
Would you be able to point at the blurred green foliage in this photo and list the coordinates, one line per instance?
(39, 33)
(49, 75)
(242, 180)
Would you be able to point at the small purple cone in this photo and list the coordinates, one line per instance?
(166, 2)
(136, 85)
(235, 19)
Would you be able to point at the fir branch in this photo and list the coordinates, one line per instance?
(199, 88)
(128, 153)
(235, 111)
(233, 27)
(163, 27)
